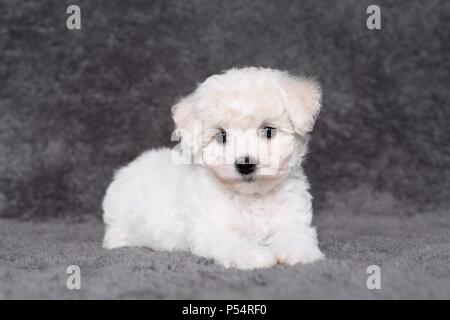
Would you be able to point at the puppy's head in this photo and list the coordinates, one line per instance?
(248, 126)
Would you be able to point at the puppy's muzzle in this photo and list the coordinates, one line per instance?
(245, 165)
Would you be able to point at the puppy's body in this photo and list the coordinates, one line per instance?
(155, 203)
(211, 210)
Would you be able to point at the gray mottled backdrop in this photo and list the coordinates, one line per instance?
(75, 105)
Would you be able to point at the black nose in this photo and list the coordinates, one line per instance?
(245, 165)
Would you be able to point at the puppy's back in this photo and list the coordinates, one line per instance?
(138, 207)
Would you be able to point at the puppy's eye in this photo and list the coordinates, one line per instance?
(221, 136)
(269, 132)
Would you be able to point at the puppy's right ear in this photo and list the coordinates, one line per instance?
(183, 112)
(184, 116)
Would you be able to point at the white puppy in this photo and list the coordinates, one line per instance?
(234, 189)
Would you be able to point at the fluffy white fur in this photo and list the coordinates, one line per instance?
(208, 207)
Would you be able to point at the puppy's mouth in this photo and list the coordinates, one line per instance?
(248, 178)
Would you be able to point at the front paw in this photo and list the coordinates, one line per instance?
(249, 258)
(294, 255)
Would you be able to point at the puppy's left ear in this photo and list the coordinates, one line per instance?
(303, 102)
